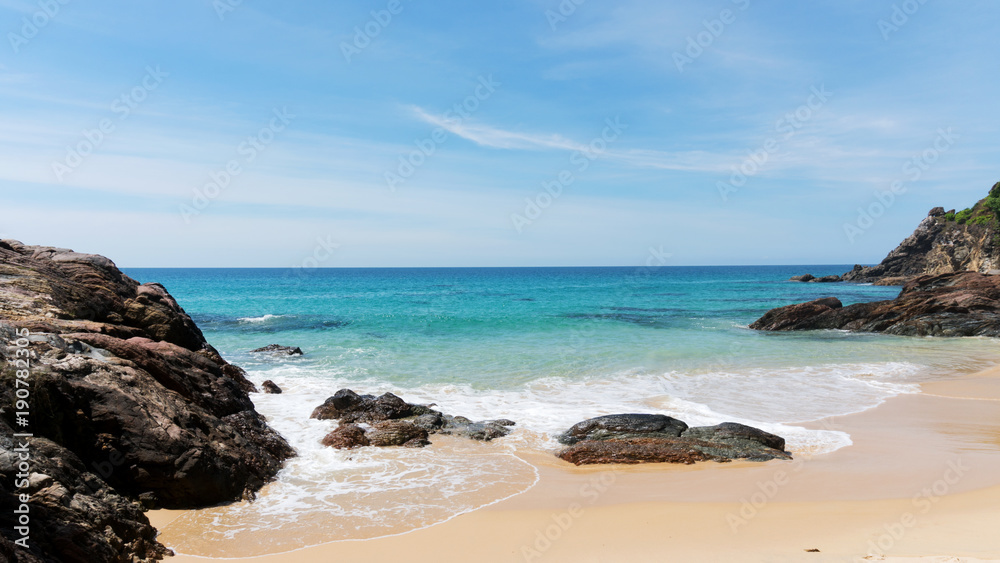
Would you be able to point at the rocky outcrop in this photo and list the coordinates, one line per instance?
(962, 304)
(944, 242)
(650, 438)
(279, 350)
(127, 401)
(351, 409)
(813, 279)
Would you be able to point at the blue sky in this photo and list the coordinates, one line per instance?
(634, 114)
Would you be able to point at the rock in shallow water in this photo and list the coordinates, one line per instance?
(349, 407)
(637, 438)
(278, 349)
(346, 436)
(271, 387)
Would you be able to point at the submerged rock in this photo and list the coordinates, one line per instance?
(962, 304)
(280, 350)
(349, 407)
(650, 438)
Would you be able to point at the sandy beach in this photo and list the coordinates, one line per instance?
(920, 483)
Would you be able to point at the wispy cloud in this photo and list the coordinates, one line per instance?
(487, 136)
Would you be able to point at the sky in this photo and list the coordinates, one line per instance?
(401, 133)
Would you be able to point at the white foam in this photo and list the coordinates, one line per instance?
(261, 319)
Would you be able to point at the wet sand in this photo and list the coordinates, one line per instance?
(920, 483)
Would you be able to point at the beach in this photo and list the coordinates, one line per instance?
(918, 483)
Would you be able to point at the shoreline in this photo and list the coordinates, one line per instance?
(919, 480)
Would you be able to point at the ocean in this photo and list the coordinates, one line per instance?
(545, 347)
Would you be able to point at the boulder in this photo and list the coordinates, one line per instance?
(936, 212)
(620, 426)
(346, 436)
(397, 433)
(271, 387)
(958, 304)
(803, 278)
(632, 438)
(280, 350)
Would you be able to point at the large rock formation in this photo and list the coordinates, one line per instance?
(962, 304)
(944, 242)
(653, 438)
(127, 402)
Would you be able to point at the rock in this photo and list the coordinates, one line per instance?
(280, 350)
(826, 279)
(958, 304)
(939, 246)
(271, 387)
(803, 278)
(397, 433)
(731, 431)
(632, 438)
(349, 407)
(789, 316)
(347, 436)
(130, 390)
(484, 431)
(75, 515)
(341, 403)
(620, 426)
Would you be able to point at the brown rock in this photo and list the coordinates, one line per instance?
(962, 304)
(271, 387)
(784, 317)
(346, 436)
(397, 433)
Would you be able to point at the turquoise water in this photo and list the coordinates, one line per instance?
(546, 347)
